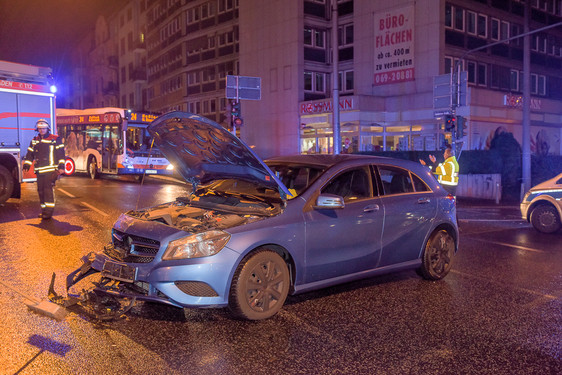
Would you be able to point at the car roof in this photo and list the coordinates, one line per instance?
(327, 161)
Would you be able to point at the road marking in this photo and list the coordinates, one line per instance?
(483, 220)
(93, 208)
(66, 192)
(547, 296)
(510, 245)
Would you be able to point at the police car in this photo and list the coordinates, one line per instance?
(542, 205)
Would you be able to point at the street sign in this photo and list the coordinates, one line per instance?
(241, 87)
(442, 92)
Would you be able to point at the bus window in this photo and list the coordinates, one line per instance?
(93, 136)
(138, 139)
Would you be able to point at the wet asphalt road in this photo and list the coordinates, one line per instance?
(499, 311)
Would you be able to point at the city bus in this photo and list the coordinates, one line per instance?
(112, 141)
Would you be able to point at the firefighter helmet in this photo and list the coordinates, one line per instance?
(42, 124)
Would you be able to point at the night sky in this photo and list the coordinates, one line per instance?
(43, 32)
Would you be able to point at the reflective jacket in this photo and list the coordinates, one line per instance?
(448, 172)
(47, 152)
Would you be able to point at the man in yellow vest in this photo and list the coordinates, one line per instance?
(447, 172)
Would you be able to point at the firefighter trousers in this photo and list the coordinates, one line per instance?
(46, 190)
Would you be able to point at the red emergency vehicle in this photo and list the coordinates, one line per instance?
(26, 95)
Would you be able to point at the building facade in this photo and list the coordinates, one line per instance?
(389, 56)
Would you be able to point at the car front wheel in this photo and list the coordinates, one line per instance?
(437, 256)
(545, 218)
(260, 286)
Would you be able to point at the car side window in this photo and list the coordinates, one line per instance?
(419, 184)
(395, 180)
(352, 185)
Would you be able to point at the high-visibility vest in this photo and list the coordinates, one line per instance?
(448, 172)
(47, 152)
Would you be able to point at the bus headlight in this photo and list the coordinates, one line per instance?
(169, 167)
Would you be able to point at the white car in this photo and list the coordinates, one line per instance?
(542, 205)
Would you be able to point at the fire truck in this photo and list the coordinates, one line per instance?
(26, 95)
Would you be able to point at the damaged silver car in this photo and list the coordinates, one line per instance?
(251, 233)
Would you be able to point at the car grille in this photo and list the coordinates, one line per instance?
(132, 249)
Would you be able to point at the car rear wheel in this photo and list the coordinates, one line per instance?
(545, 218)
(260, 286)
(437, 256)
(93, 168)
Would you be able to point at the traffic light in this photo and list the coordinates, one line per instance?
(461, 127)
(450, 123)
(236, 117)
(235, 109)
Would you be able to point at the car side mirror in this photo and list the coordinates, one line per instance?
(329, 202)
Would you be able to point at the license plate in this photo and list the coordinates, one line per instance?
(151, 171)
(117, 271)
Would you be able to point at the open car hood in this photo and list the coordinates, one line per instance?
(203, 151)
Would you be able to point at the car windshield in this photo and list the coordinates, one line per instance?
(296, 177)
(238, 188)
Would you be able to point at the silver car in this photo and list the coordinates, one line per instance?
(251, 233)
(542, 205)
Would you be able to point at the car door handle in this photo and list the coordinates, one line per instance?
(424, 200)
(371, 208)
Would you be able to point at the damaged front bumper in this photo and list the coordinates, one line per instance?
(119, 280)
(194, 283)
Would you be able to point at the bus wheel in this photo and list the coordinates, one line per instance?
(93, 168)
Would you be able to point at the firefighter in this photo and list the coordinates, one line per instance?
(447, 172)
(47, 151)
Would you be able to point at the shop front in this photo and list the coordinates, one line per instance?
(363, 128)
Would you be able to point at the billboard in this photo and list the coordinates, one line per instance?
(394, 46)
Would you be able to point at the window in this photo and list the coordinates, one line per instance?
(495, 29)
(351, 185)
(346, 81)
(448, 64)
(345, 35)
(482, 26)
(314, 37)
(448, 16)
(459, 19)
(482, 74)
(314, 82)
(514, 80)
(471, 22)
(504, 30)
(471, 68)
(419, 184)
(541, 85)
(395, 180)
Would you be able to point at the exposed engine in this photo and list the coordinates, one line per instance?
(187, 217)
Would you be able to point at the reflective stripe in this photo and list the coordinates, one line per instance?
(27, 162)
(30, 149)
(42, 205)
(49, 204)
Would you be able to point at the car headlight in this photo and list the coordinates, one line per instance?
(169, 167)
(200, 245)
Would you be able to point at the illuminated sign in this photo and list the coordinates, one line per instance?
(516, 101)
(325, 106)
(142, 117)
(22, 86)
(106, 118)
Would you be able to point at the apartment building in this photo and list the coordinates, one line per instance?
(388, 53)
